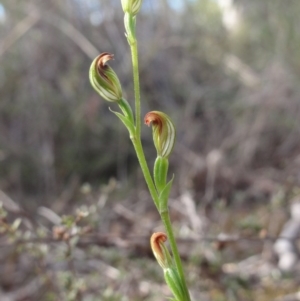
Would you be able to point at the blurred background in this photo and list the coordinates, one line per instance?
(76, 215)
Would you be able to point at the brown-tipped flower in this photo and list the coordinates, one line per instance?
(163, 132)
(104, 79)
(131, 6)
(160, 251)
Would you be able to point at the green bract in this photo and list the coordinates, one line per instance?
(104, 79)
(163, 132)
(175, 284)
(160, 173)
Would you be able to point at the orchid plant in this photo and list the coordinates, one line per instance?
(105, 81)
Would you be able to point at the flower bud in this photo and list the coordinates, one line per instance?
(164, 259)
(163, 132)
(131, 6)
(104, 79)
(160, 251)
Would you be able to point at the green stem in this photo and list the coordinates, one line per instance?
(136, 82)
(165, 217)
(136, 140)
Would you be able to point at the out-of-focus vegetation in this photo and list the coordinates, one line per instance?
(228, 75)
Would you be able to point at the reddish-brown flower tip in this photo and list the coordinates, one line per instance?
(156, 240)
(154, 119)
(101, 61)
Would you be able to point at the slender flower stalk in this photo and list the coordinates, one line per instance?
(164, 212)
(105, 81)
(136, 82)
(136, 141)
